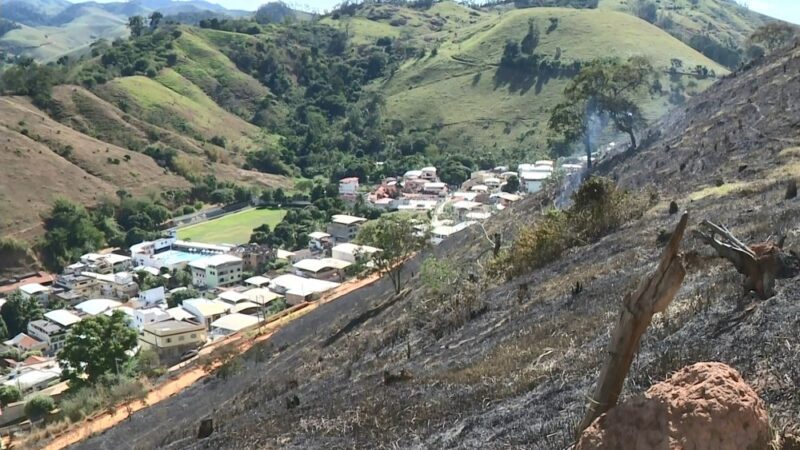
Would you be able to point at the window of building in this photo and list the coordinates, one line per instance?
(169, 340)
(193, 335)
(181, 338)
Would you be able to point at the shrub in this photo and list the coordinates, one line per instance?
(38, 407)
(9, 394)
(599, 208)
(452, 298)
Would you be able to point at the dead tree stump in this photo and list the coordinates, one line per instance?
(761, 264)
(791, 190)
(653, 295)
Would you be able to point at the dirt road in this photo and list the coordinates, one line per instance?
(186, 378)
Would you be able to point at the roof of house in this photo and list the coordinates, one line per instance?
(354, 249)
(544, 162)
(318, 235)
(262, 296)
(170, 327)
(346, 220)
(213, 261)
(241, 306)
(466, 204)
(62, 317)
(33, 288)
(234, 322)
(23, 341)
(479, 215)
(302, 286)
(491, 180)
(479, 188)
(206, 307)
(257, 280)
(157, 312)
(127, 310)
(47, 326)
(283, 254)
(428, 169)
(507, 196)
(178, 313)
(96, 306)
(46, 278)
(413, 174)
(231, 297)
(534, 176)
(349, 180)
(434, 185)
(317, 265)
(31, 378)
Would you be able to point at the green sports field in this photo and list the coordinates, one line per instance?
(232, 229)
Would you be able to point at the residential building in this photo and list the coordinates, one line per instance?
(344, 228)
(24, 343)
(217, 270)
(32, 379)
(232, 323)
(152, 297)
(428, 174)
(62, 317)
(328, 269)
(254, 256)
(412, 175)
(435, 188)
(261, 296)
(105, 263)
(48, 333)
(319, 241)
(79, 284)
(492, 183)
(70, 298)
(172, 253)
(351, 252)
(442, 232)
(464, 207)
(297, 289)
(97, 306)
(257, 281)
(142, 317)
(239, 303)
(171, 338)
(206, 311)
(532, 182)
(504, 198)
(35, 291)
(117, 285)
(348, 188)
(286, 255)
(180, 314)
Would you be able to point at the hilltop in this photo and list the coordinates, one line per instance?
(501, 366)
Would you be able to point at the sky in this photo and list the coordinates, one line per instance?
(788, 10)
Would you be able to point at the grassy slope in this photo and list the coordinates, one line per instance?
(34, 174)
(458, 88)
(234, 228)
(728, 20)
(48, 43)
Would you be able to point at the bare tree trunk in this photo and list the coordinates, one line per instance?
(633, 138)
(587, 144)
(653, 295)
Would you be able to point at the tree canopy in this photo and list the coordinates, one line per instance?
(604, 88)
(18, 311)
(97, 346)
(397, 238)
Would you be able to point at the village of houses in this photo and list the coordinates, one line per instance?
(100, 283)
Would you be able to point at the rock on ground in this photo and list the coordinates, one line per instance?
(704, 406)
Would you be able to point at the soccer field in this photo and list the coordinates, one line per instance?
(232, 229)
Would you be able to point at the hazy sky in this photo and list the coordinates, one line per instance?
(788, 10)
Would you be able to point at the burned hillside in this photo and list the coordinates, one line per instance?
(510, 362)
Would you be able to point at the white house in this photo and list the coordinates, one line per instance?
(232, 323)
(344, 228)
(206, 311)
(106, 263)
(261, 296)
(321, 269)
(217, 270)
(429, 173)
(97, 306)
(143, 317)
(298, 289)
(152, 297)
(348, 187)
(434, 188)
(532, 182)
(35, 291)
(257, 281)
(351, 252)
(318, 241)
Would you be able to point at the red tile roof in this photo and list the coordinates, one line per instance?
(44, 279)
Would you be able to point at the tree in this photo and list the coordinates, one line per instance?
(261, 235)
(18, 311)
(38, 407)
(69, 233)
(155, 19)
(178, 297)
(512, 184)
(531, 39)
(398, 240)
(9, 394)
(279, 196)
(773, 35)
(646, 10)
(603, 87)
(136, 25)
(97, 346)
